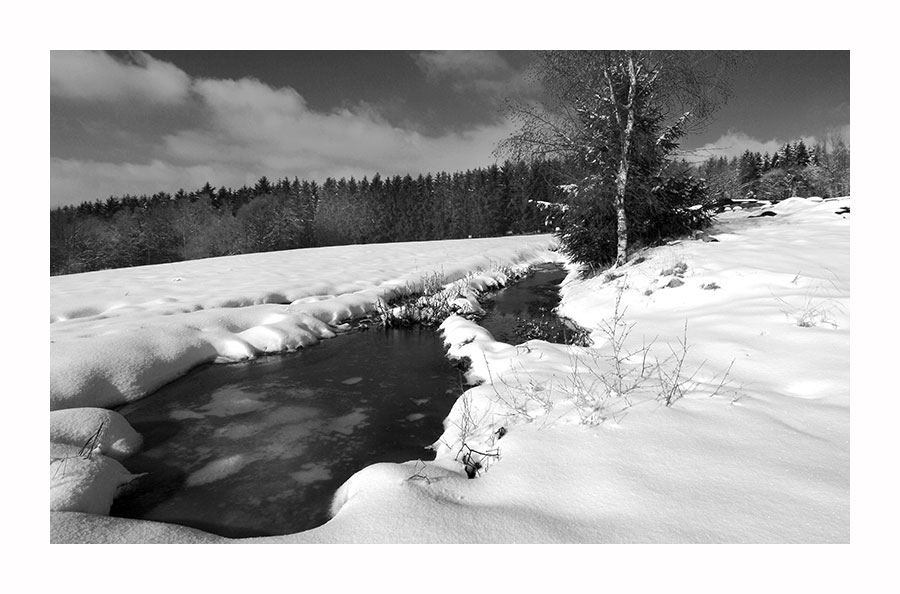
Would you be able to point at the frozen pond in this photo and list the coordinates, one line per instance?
(259, 448)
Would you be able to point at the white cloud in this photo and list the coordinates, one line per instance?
(91, 75)
(251, 129)
(734, 143)
(273, 131)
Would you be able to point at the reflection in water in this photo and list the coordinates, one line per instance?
(260, 448)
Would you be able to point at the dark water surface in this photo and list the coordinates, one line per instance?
(515, 311)
(259, 448)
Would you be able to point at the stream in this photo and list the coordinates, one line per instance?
(259, 448)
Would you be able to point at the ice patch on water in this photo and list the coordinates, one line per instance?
(231, 401)
(345, 425)
(237, 431)
(289, 441)
(311, 473)
(276, 450)
(304, 393)
(415, 417)
(219, 469)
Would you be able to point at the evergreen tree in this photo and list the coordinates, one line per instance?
(262, 187)
(750, 171)
(801, 154)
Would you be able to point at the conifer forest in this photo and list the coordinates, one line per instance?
(509, 198)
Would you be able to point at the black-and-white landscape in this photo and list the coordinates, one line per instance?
(212, 210)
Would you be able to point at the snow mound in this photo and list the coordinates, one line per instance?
(84, 481)
(87, 528)
(76, 426)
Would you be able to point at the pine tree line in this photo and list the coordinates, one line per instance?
(485, 202)
(794, 170)
(138, 230)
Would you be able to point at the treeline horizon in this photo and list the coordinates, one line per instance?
(286, 214)
(491, 201)
(795, 169)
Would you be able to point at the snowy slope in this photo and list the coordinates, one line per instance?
(754, 447)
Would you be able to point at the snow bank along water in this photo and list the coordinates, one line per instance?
(747, 334)
(752, 333)
(118, 335)
(260, 448)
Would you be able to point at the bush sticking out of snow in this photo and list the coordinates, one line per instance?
(818, 306)
(677, 270)
(428, 302)
(431, 301)
(474, 447)
(552, 329)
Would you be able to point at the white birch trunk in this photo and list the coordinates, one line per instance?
(622, 174)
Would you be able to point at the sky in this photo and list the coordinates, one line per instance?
(139, 122)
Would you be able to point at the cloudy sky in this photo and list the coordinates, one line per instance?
(144, 121)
